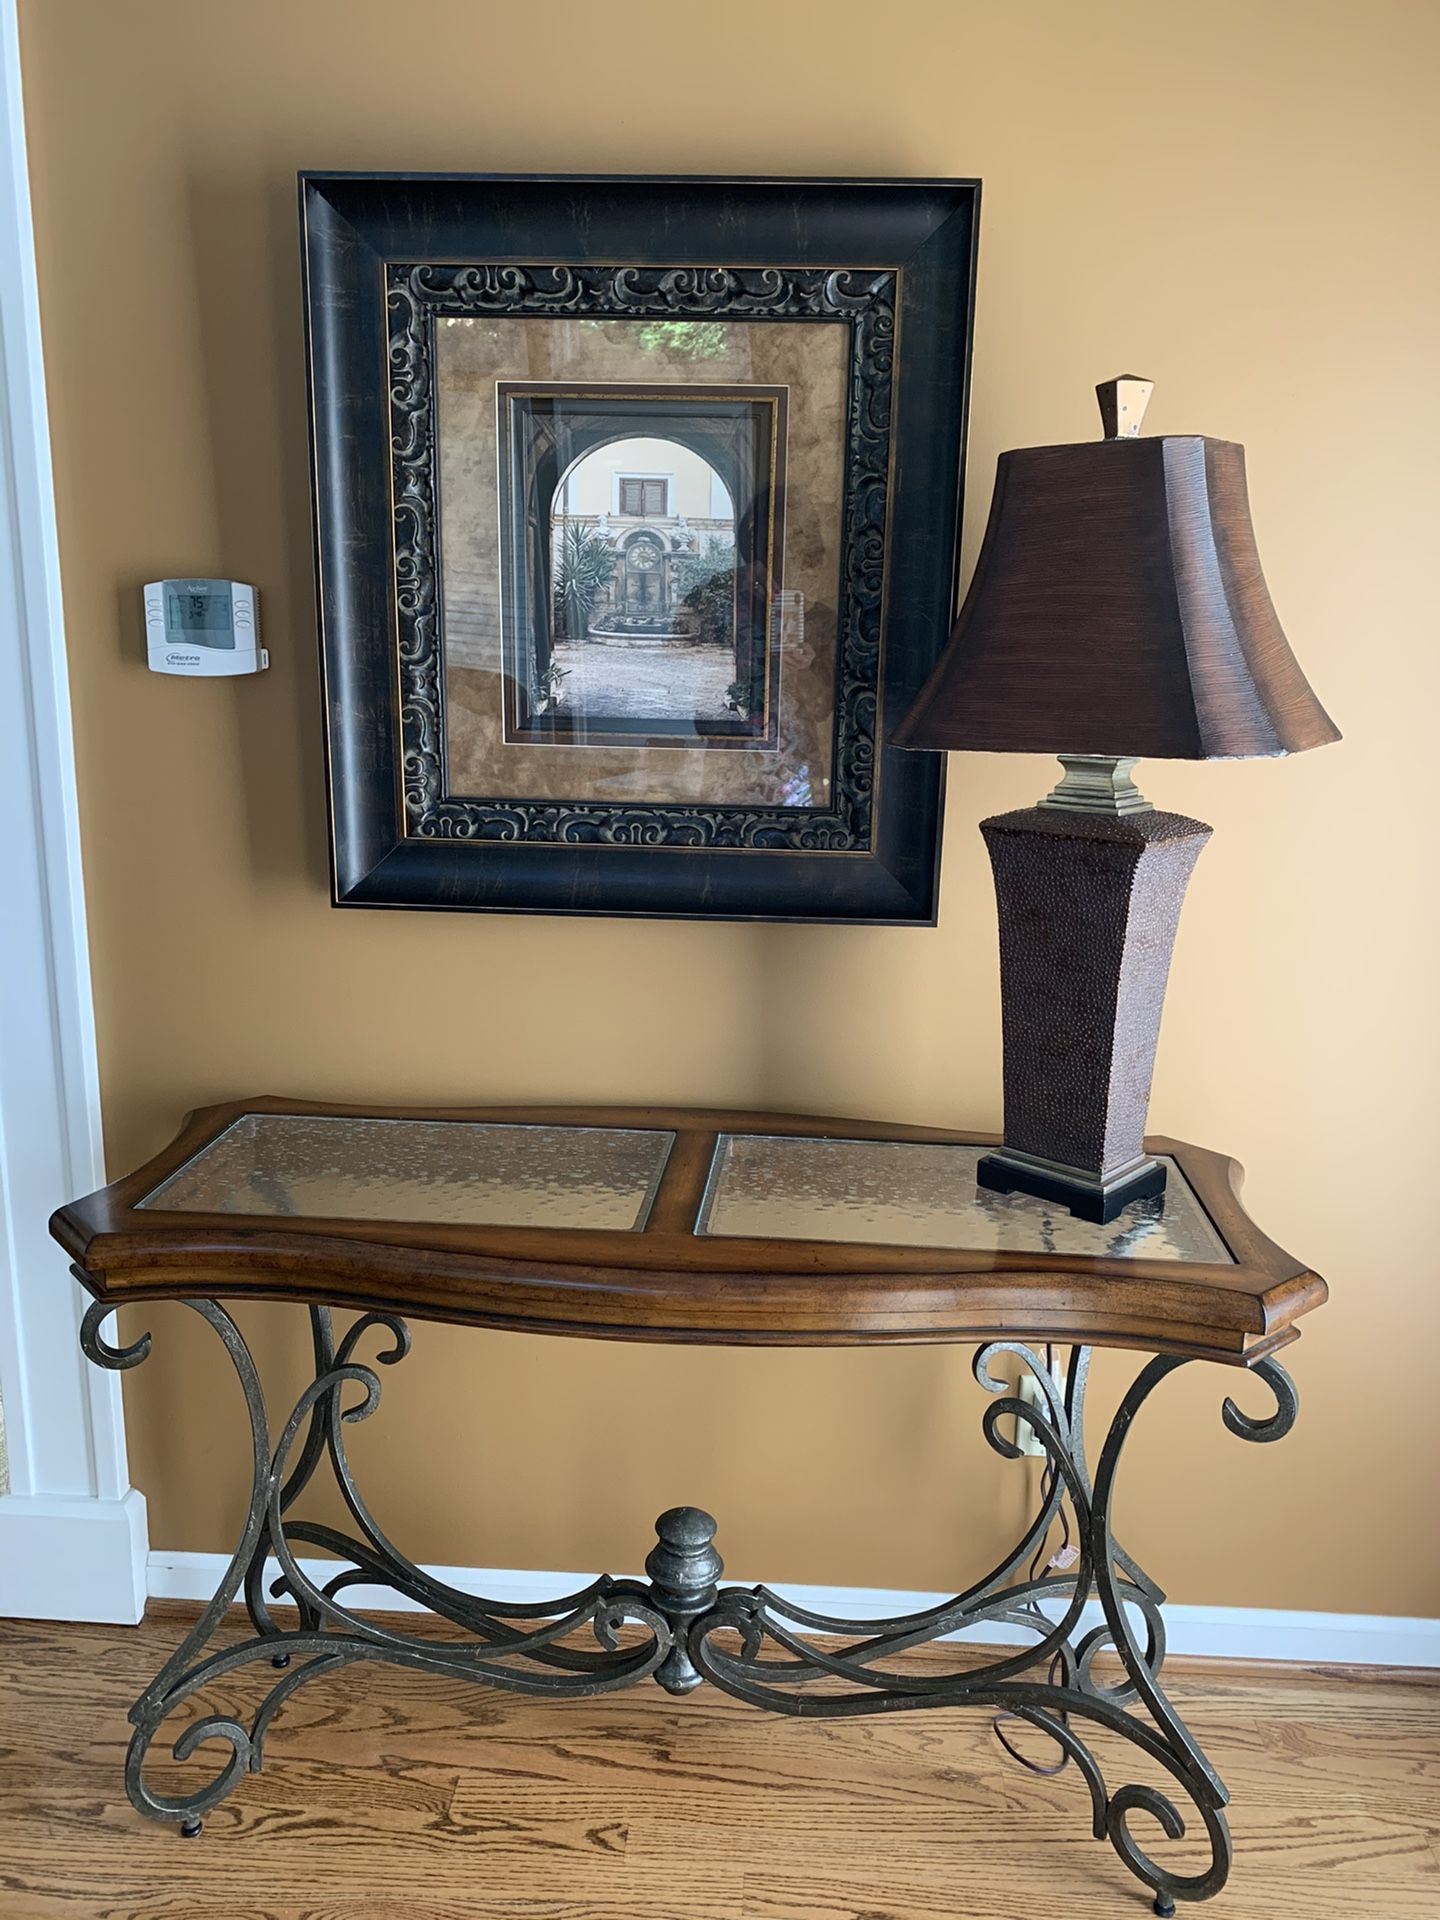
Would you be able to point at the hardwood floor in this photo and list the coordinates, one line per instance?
(387, 1794)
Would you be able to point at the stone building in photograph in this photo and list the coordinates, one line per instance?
(667, 523)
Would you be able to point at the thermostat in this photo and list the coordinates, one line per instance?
(203, 626)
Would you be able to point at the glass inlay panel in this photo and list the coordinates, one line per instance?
(462, 1172)
(903, 1193)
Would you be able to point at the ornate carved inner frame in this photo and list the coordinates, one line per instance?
(636, 516)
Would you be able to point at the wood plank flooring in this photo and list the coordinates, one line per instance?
(389, 1794)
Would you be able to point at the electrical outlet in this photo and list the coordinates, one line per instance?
(1026, 1438)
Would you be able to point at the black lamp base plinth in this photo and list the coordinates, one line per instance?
(1087, 1196)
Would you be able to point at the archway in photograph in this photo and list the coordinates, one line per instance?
(642, 542)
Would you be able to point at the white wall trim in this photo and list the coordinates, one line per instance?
(1222, 1633)
(80, 1559)
(63, 1418)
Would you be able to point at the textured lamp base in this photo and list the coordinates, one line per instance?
(1087, 1195)
(1089, 886)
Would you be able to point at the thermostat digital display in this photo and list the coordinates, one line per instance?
(203, 627)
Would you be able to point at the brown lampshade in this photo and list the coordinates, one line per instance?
(1119, 608)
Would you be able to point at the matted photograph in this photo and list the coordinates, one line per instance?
(639, 552)
(637, 506)
(642, 537)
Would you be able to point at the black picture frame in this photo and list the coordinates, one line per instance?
(384, 255)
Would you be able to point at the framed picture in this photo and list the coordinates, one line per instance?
(636, 508)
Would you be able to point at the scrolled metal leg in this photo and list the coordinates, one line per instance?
(729, 1644)
(518, 1647)
(322, 1340)
(159, 1698)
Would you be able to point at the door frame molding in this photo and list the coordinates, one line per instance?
(72, 1530)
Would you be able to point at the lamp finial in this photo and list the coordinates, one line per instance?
(1123, 401)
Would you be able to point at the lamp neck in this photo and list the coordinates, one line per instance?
(1097, 783)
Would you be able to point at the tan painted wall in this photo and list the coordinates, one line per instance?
(1236, 199)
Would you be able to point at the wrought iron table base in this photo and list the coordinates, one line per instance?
(684, 1628)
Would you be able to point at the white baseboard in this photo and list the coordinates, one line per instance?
(1224, 1633)
(77, 1559)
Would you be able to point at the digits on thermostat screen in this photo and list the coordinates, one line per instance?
(202, 614)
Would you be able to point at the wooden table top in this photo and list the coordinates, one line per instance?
(671, 1224)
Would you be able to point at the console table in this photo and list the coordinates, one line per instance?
(730, 1228)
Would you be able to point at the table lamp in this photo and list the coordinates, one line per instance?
(1118, 609)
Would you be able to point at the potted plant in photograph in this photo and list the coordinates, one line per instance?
(586, 568)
